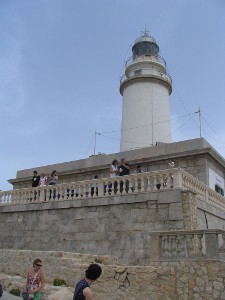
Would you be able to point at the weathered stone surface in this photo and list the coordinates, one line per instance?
(219, 286)
(165, 280)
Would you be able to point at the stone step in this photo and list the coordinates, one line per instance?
(76, 257)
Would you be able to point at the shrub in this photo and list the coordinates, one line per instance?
(59, 282)
(15, 291)
(98, 260)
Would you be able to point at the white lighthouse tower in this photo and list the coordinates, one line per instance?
(145, 88)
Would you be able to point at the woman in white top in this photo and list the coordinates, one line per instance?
(43, 180)
(113, 173)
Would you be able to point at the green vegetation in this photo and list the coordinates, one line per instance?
(15, 292)
(98, 260)
(59, 282)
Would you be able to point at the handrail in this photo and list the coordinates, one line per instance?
(187, 244)
(129, 184)
(159, 59)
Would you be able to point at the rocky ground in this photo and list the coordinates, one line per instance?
(7, 296)
(48, 293)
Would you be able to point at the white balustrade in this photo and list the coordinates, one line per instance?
(121, 185)
(197, 244)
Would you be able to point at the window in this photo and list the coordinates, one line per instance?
(137, 72)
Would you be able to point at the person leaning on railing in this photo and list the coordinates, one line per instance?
(53, 181)
(35, 182)
(113, 170)
(124, 169)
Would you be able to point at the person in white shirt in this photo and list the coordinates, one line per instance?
(113, 170)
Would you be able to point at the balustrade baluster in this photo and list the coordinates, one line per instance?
(122, 186)
(170, 245)
(80, 195)
(11, 198)
(72, 192)
(128, 186)
(155, 183)
(24, 197)
(47, 191)
(135, 188)
(165, 246)
(148, 183)
(190, 246)
(178, 246)
(89, 190)
(142, 184)
(15, 197)
(8, 198)
(56, 191)
(173, 246)
(4, 198)
(67, 191)
(199, 244)
(101, 188)
(94, 187)
(182, 246)
(222, 248)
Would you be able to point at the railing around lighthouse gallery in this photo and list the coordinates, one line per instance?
(121, 185)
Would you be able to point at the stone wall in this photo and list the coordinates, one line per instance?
(209, 216)
(117, 226)
(159, 281)
(114, 225)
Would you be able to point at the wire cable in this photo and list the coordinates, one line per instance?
(90, 145)
(176, 129)
(125, 129)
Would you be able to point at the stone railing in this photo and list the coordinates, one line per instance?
(158, 59)
(189, 182)
(195, 244)
(130, 184)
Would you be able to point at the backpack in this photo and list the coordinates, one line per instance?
(1, 291)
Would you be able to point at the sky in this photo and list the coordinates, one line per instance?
(60, 68)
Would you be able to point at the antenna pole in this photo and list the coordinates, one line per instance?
(200, 121)
(95, 142)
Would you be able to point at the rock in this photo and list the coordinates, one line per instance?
(62, 293)
(219, 286)
(120, 269)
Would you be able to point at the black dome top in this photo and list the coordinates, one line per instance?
(145, 45)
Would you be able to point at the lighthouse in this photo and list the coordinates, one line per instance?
(145, 88)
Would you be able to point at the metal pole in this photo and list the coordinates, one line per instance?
(95, 142)
(200, 121)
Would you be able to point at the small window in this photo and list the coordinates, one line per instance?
(137, 72)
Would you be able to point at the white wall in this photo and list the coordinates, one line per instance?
(145, 103)
(214, 178)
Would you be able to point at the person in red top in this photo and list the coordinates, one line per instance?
(35, 280)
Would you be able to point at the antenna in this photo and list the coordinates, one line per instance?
(200, 120)
(95, 140)
(145, 32)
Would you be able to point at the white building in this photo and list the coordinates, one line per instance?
(145, 88)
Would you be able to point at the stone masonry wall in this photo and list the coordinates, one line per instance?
(202, 280)
(117, 226)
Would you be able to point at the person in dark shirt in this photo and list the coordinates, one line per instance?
(35, 179)
(35, 182)
(82, 289)
(124, 169)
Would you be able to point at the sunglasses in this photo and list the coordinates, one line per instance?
(38, 265)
